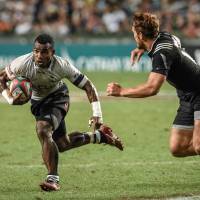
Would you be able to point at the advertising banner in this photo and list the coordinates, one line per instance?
(90, 57)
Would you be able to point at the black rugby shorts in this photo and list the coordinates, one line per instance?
(188, 111)
(53, 109)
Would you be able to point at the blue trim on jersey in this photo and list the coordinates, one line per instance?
(79, 79)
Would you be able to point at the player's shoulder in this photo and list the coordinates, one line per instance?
(165, 42)
(163, 46)
(63, 63)
(22, 59)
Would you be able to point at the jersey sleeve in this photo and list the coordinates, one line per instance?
(16, 68)
(74, 75)
(161, 62)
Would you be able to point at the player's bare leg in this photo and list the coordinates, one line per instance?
(196, 136)
(76, 139)
(73, 140)
(181, 143)
(49, 154)
(50, 148)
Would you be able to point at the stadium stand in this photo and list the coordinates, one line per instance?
(68, 17)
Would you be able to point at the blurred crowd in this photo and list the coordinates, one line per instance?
(65, 17)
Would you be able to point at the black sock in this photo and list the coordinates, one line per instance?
(103, 138)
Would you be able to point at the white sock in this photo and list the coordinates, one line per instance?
(91, 137)
(94, 135)
(53, 178)
(98, 136)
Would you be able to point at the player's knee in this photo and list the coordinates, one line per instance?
(176, 150)
(63, 144)
(43, 129)
(61, 149)
(196, 146)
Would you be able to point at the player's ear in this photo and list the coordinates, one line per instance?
(140, 36)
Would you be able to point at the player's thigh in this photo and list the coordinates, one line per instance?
(183, 125)
(60, 137)
(53, 113)
(60, 132)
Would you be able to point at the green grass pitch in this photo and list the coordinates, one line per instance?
(144, 170)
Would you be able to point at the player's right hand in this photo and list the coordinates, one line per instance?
(136, 55)
(114, 89)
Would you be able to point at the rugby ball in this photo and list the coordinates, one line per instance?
(21, 85)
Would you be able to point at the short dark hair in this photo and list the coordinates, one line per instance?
(44, 38)
(147, 24)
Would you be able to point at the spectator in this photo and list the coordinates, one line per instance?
(114, 18)
(63, 17)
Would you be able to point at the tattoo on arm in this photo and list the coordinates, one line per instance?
(91, 91)
(3, 80)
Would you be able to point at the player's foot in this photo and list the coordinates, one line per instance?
(49, 186)
(111, 138)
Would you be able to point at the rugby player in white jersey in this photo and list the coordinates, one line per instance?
(50, 104)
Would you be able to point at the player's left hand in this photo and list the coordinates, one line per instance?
(95, 122)
(114, 89)
(136, 55)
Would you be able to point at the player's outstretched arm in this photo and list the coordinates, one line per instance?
(92, 94)
(81, 81)
(150, 88)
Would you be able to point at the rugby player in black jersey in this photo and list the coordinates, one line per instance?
(50, 104)
(171, 63)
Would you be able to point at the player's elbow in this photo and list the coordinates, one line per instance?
(153, 90)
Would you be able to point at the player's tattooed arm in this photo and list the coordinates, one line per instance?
(92, 94)
(90, 91)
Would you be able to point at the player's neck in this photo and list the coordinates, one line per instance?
(149, 44)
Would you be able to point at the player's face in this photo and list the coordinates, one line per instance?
(138, 39)
(42, 54)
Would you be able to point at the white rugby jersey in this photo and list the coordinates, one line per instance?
(45, 80)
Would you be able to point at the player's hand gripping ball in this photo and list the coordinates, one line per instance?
(23, 86)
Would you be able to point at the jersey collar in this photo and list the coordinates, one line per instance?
(162, 35)
(150, 52)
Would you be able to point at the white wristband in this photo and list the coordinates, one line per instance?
(96, 108)
(5, 95)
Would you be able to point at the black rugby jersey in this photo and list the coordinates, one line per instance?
(168, 58)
